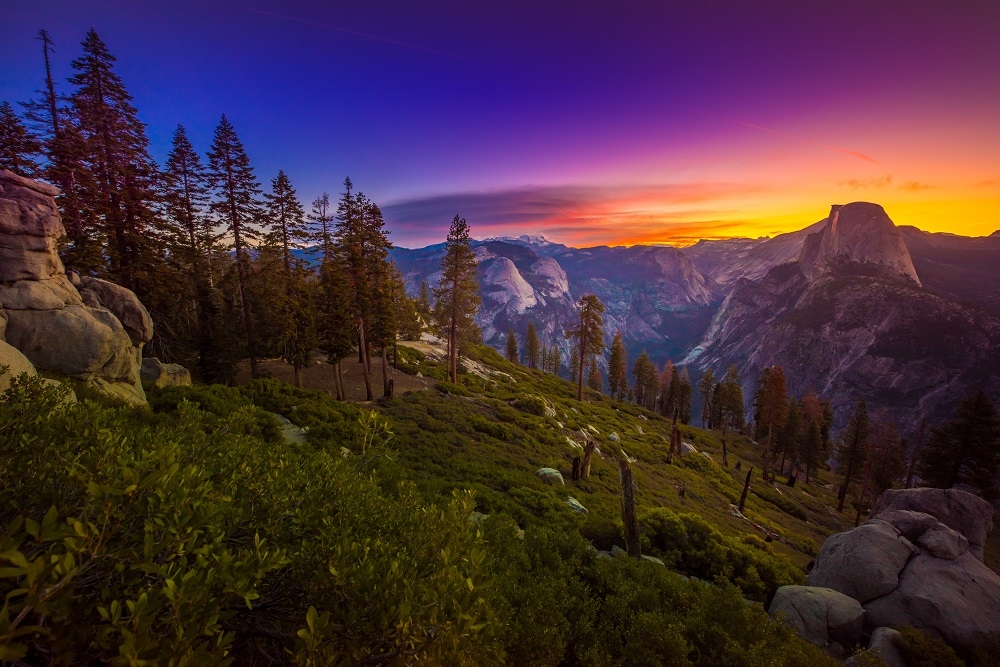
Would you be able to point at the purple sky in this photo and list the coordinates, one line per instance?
(590, 122)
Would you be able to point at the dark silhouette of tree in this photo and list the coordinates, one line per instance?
(594, 379)
(618, 368)
(532, 347)
(321, 219)
(588, 335)
(457, 294)
(645, 381)
(852, 450)
(237, 207)
(19, 150)
(966, 450)
(706, 389)
(513, 356)
(772, 407)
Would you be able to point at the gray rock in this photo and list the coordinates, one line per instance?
(576, 506)
(550, 412)
(614, 437)
(55, 292)
(943, 542)
(551, 475)
(16, 364)
(160, 374)
(654, 559)
(952, 598)
(821, 616)
(961, 511)
(688, 448)
(125, 306)
(910, 524)
(617, 551)
(863, 563)
(882, 646)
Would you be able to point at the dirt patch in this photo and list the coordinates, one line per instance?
(320, 375)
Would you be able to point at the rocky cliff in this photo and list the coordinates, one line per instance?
(88, 329)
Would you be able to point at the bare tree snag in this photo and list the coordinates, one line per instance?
(577, 464)
(629, 519)
(746, 490)
(588, 455)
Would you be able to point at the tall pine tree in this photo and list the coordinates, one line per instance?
(532, 347)
(513, 355)
(19, 151)
(588, 335)
(852, 450)
(966, 450)
(457, 293)
(618, 368)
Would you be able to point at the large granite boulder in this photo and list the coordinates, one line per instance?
(821, 616)
(968, 514)
(953, 598)
(97, 339)
(881, 644)
(160, 374)
(15, 362)
(877, 545)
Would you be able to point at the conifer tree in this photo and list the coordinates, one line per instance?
(423, 303)
(885, 456)
(124, 196)
(618, 368)
(668, 387)
(335, 319)
(706, 389)
(456, 296)
(545, 359)
(286, 232)
(532, 347)
(18, 149)
(408, 324)
(44, 113)
(790, 434)
(851, 453)
(772, 407)
(513, 355)
(644, 373)
(322, 219)
(684, 395)
(555, 359)
(966, 450)
(237, 207)
(191, 240)
(812, 448)
(594, 380)
(588, 334)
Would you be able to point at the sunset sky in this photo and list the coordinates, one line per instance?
(589, 122)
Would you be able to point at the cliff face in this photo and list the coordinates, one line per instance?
(850, 320)
(86, 328)
(857, 232)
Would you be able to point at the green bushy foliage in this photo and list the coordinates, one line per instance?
(531, 404)
(689, 544)
(193, 538)
(920, 649)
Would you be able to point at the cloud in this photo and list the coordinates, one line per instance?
(871, 183)
(676, 213)
(915, 186)
(855, 154)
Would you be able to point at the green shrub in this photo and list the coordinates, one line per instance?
(920, 649)
(531, 404)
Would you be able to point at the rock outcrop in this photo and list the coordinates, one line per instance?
(97, 339)
(913, 564)
(15, 364)
(857, 232)
(160, 374)
(822, 616)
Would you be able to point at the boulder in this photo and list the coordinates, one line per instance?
(881, 644)
(576, 505)
(125, 306)
(614, 437)
(943, 542)
(968, 514)
(160, 374)
(952, 598)
(863, 563)
(821, 616)
(49, 294)
(910, 524)
(688, 448)
(16, 364)
(551, 475)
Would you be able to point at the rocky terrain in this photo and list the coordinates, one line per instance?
(916, 562)
(84, 328)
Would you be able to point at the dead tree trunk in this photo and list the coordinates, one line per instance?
(386, 389)
(577, 464)
(588, 455)
(629, 519)
(725, 455)
(746, 490)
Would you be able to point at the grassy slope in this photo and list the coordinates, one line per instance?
(473, 435)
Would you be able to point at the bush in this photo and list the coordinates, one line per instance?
(920, 649)
(531, 404)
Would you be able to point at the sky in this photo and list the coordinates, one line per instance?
(588, 122)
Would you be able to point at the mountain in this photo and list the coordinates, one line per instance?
(959, 268)
(851, 319)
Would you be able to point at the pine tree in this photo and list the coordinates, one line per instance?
(287, 232)
(555, 360)
(335, 321)
(588, 334)
(18, 149)
(237, 207)
(191, 240)
(790, 435)
(851, 453)
(772, 407)
(513, 356)
(124, 196)
(321, 233)
(457, 293)
(618, 368)
(811, 448)
(594, 380)
(424, 302)
(966, 450)
(644, 374)
(532, 347)
(407, 318)
(706, 389)
(885, 456)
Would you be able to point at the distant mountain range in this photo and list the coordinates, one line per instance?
(852, 306)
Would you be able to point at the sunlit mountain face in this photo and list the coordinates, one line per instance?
(596, 124)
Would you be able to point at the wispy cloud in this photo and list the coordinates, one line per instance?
(579, 215)
(845, 151)
(915, 186)
(867, 184)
